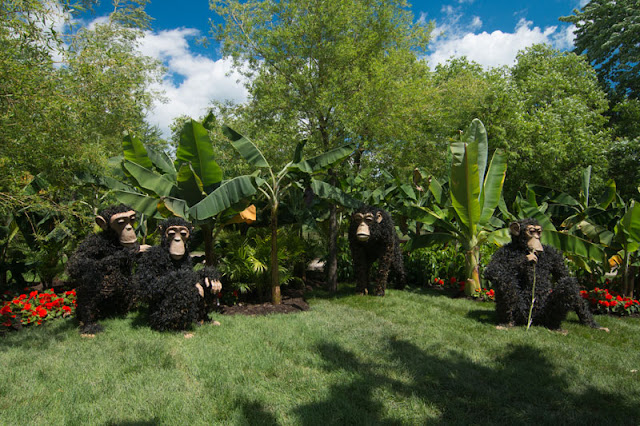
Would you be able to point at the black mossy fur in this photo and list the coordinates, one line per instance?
(556, 292)
(168, 285)
(101, 269)
(383, 245)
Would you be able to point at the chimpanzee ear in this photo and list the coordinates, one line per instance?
(102, 223)
(379, 217)
(514, 229)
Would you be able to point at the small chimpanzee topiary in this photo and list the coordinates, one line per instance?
(372, 236)
(101, 268)
(177, 295)
(517, 266)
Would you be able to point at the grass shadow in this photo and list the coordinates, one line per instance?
(484, 316)
(524, 387)
(254, 413)
(39, 336)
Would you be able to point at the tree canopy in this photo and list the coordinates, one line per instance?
(608, 32)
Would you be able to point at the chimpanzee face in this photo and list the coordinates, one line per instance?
(122, 225)
(364, 223)
(529, 233)
(177, 237)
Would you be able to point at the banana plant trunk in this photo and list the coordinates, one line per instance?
(209, 255)
(473, 271)
(276, 297)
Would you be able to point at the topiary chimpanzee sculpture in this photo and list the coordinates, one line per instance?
(372, 236)
(177, 295)
(514, 270)
(101, 268)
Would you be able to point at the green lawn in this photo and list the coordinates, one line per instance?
(407, 358)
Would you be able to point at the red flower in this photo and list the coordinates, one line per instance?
(66, 309)
(22, 297)
(6, 309)
(33, 294)
(7, 324)
(26, 306)
(41, 312)
(608, 296)
(452, 280)
(619, 298)
(613, 303)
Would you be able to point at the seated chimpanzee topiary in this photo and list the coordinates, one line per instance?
(524, 263)
(101, 268)
(372, 236)
(177, 295)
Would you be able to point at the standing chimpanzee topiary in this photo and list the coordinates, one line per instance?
(101, 268)
(372, 236)
(514, 270)
(177, 295)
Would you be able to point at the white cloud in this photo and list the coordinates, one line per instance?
(497, 48)
(192, 80)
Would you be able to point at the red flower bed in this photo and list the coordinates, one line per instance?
(604, 301)
(35, 308)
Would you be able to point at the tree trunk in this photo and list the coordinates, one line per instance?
(473, 271)
(332, 257)
(209, 255)
(276, 298)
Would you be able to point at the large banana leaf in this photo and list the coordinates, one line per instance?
(463, 184)
(492, 188)
(245, 148)
(170, 206)
(630, 224)
(135, 151)
(330, 157)
(429, 239)
(476, 135)
(329, 192)
(572, 244)
(195, 147)
(609, 194)
(190, 185)
(147, 179)
(162, 161)
(141, 203)
(228, 194)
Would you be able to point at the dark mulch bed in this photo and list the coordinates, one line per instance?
(292, 302)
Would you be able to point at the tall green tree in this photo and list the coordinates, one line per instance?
(66, 92)
(558, 126)
(328, 72)
(608, 32)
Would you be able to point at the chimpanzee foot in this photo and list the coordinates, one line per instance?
(90, 329)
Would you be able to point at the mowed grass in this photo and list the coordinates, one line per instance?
(412, 357)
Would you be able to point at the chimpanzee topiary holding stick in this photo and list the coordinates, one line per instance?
(372, 236)
(513, 269)
(177, 295)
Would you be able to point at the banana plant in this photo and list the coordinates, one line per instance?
(276, 183)
(190, 187)
(475, 189)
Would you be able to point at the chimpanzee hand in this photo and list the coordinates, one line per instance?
(212, 284)
(531, 257)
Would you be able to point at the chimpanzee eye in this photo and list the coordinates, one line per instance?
(183, 233)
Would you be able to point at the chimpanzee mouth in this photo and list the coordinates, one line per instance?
(362, 237)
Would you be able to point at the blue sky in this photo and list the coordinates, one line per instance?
(490, 32)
